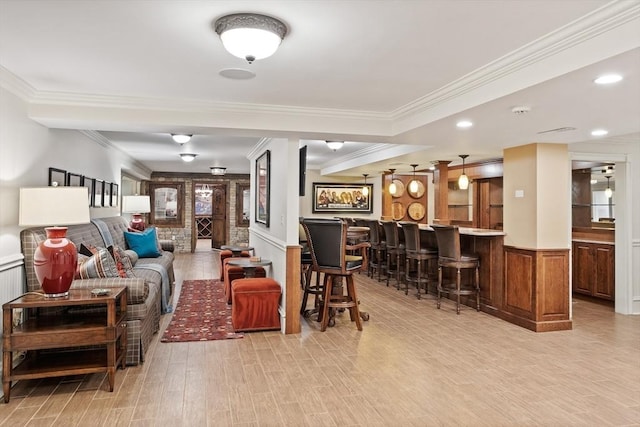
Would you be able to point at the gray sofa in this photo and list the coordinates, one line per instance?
(145, 299)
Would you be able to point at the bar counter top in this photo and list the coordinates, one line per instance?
(470, 231)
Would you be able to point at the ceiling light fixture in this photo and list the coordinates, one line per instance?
(181, 138)
(463, 180)
(414, 185)
(392, 186)
(608, 192)
(463, 124)
(608, 79)
(218, 171)
(335, 145)
(250, 36)
(188, 157)
(365, 189)
(599, 132)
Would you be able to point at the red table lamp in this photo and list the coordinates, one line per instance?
(55, 259)
(137, 206)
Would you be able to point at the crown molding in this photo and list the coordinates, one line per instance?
(598, 22)
(368, 155)
(101, 140)
(16, 85)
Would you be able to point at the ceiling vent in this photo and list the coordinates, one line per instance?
(564, 129)
(521, 109)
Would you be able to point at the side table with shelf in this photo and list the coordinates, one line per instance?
(101, 332)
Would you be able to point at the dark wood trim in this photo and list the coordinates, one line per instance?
(292, 292)
(441, 193)
(197, 176)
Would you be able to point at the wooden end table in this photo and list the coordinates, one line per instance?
(104, 327)
(249, 266)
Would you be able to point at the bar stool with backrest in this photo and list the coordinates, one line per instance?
(306, 271)
(417, 258)
(395, 251)
(378, 249)
(327, 239)
(450, 256)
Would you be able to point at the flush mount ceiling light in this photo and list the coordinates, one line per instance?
(216, 170)
(335, 145)
(463, 124)
(607, 79)
(414, 185)
(250, 36)
(392, 187)
(365, 189)
(463, 180)
(181, 138)
(188, 157)
(599, 132)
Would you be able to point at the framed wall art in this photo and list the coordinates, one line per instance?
(330, 197)
(106, 194)
(74, 179)
(263, 169)
(89, 183)
(114, 195)
(97, 193)
(167, 204)
(57, 177)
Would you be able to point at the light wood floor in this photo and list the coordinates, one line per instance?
(412, 365)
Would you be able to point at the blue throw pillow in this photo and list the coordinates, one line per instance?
(143, 243)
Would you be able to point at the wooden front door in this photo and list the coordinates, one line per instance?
(219, 217)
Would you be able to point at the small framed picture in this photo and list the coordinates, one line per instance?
(97, 193)
(90, 184)
(74, 180)
(57, 177)
(106, 194)
(114, 194)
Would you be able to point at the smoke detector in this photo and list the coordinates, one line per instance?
(521, 109)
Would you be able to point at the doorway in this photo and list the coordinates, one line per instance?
(209, 215)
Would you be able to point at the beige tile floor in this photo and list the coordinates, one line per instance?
(413, 365)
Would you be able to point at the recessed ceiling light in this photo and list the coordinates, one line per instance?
(594, 181)
(599, 132)
(464, 124)
(607, 79)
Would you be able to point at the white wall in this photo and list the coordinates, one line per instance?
(28, 149)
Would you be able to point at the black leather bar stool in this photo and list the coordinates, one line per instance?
(450, 256)
(378, 250)
(306, 272)
(395, 251)
(417, 258)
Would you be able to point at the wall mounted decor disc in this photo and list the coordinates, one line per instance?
(418, 193)
(399, 188)
(397, 211)
(416, 211)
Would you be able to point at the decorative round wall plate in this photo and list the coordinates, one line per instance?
(416, 211)
(399, 188)
(397, 211)
(419, 193)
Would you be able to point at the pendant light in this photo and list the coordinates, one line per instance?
(608, 192)
(463, 180)
(365, 189)
(414, 185)
(392, 186)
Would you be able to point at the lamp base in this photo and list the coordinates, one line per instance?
(55, 261)
(137, 222)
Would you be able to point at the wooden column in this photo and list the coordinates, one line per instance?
(441, 192)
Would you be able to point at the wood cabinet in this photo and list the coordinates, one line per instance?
(594, 269)
(489, 203)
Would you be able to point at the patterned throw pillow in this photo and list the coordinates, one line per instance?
(123, 262)
(99, 265)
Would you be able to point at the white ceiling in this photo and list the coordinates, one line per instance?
(389, 77)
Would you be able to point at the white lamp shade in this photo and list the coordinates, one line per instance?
(414, 186)
(181, 138)
(463, 182)
(335, 145)
(51, 206)
(250, 42)
(392, 188)
(136, 204)
(608, 192)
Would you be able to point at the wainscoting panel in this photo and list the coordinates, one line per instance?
(536, 288)
(11, 279)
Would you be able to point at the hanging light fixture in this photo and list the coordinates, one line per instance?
(188, 157)
(414, 185)
(181, 138)
(365, 189)
(250, 36)
(392, 186)
(335, 145)
(608, 192)
(463, 180)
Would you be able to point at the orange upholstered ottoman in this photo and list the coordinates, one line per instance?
(255, 304)
(228, 254)
(233, 272)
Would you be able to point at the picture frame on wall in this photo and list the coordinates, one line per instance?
(97, 193)
(106, 194)
(57, 177)
(74, 180)
(331, 197)
(167, 204)
(114, 194)
(262, 186)
(90, 184)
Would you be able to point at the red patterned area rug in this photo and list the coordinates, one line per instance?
(201, 314)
